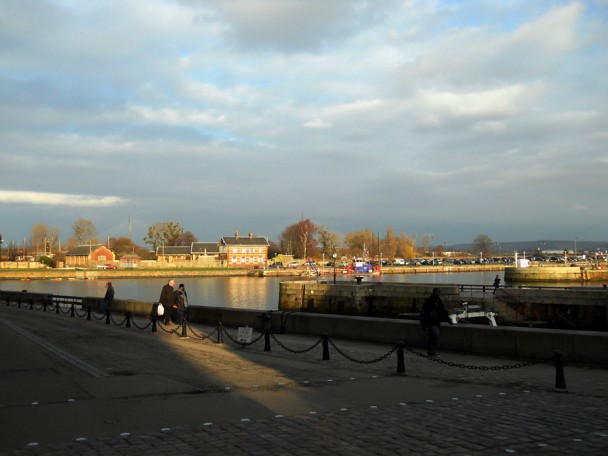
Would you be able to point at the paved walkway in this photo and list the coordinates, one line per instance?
(71, 386)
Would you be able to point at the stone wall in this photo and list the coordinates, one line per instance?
(366, 298)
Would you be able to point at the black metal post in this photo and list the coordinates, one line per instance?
(325, 347)
(107, 316)
(128, 325)
(220, 333)
(184, 330)
(560, 379)
(72, 312)
(89, 313)
(400, 359)
(266, 340)
(153, 323)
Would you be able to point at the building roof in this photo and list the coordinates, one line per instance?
(130, 256)
(244, 240)
(83, 250)
(173, 250)
(205, 247)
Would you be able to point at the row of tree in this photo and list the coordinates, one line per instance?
(303, 239)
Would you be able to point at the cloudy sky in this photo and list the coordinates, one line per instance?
(450, 118)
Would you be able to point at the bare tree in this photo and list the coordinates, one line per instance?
(299, 239)
(483, 244)
(164, 233)
(84, 231)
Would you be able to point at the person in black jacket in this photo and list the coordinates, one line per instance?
(433, 313)
(182, 303)
(108, 299)
(167, 299)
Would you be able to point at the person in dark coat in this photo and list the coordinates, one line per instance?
(496, 283)
(167, 299)
(433, 313)
(182, 303)
(108, 299)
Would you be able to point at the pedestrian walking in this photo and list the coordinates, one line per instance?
(182, 304)
(433, 313)
(167, 299)
(496, 283)
(108, 298)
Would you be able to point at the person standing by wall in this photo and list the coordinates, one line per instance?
(167, 299)
(182, 303)
(433, 312)
(108, 298)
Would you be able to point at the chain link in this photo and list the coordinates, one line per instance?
(484, 368)
(299, 352)
(201, 336)
(371, 361)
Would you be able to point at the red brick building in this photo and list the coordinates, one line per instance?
(244, 252)
(87, 256)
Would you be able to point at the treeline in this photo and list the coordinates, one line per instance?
(303, 239)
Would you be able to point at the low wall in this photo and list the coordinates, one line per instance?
(588, 347)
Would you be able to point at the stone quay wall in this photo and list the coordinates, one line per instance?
(346, 298)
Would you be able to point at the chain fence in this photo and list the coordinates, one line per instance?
(185, 330)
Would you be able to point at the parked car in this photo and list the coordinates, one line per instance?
(106, 266)
(399, 262)
(293, 264)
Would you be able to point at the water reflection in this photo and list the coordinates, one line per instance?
(233, 292)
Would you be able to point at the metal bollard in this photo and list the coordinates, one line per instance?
(400, 359)
(220, 334)
(325, 347)
(107, 316)
(267, 340)
(72, 311)
(560, 379)
(31, 304)
(153, 323)
(89, 313)
(128, 325)
(184, 330)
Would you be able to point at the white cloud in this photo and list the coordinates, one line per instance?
(59, 199)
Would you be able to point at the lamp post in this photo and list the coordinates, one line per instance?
(575, 247)
(0, 250)
(334, 256)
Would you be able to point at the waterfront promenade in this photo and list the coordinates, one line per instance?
(71, 386)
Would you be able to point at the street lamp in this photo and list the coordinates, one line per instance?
(334, 256)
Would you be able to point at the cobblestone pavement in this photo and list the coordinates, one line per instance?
(71, 386)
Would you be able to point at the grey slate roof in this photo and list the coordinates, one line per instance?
(201, 247)
(244, 240)
(173, 250)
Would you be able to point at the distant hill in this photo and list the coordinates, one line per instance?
(507, 248)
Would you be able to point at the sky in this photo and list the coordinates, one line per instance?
(442, 118)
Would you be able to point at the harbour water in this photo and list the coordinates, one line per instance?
(259, 293)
